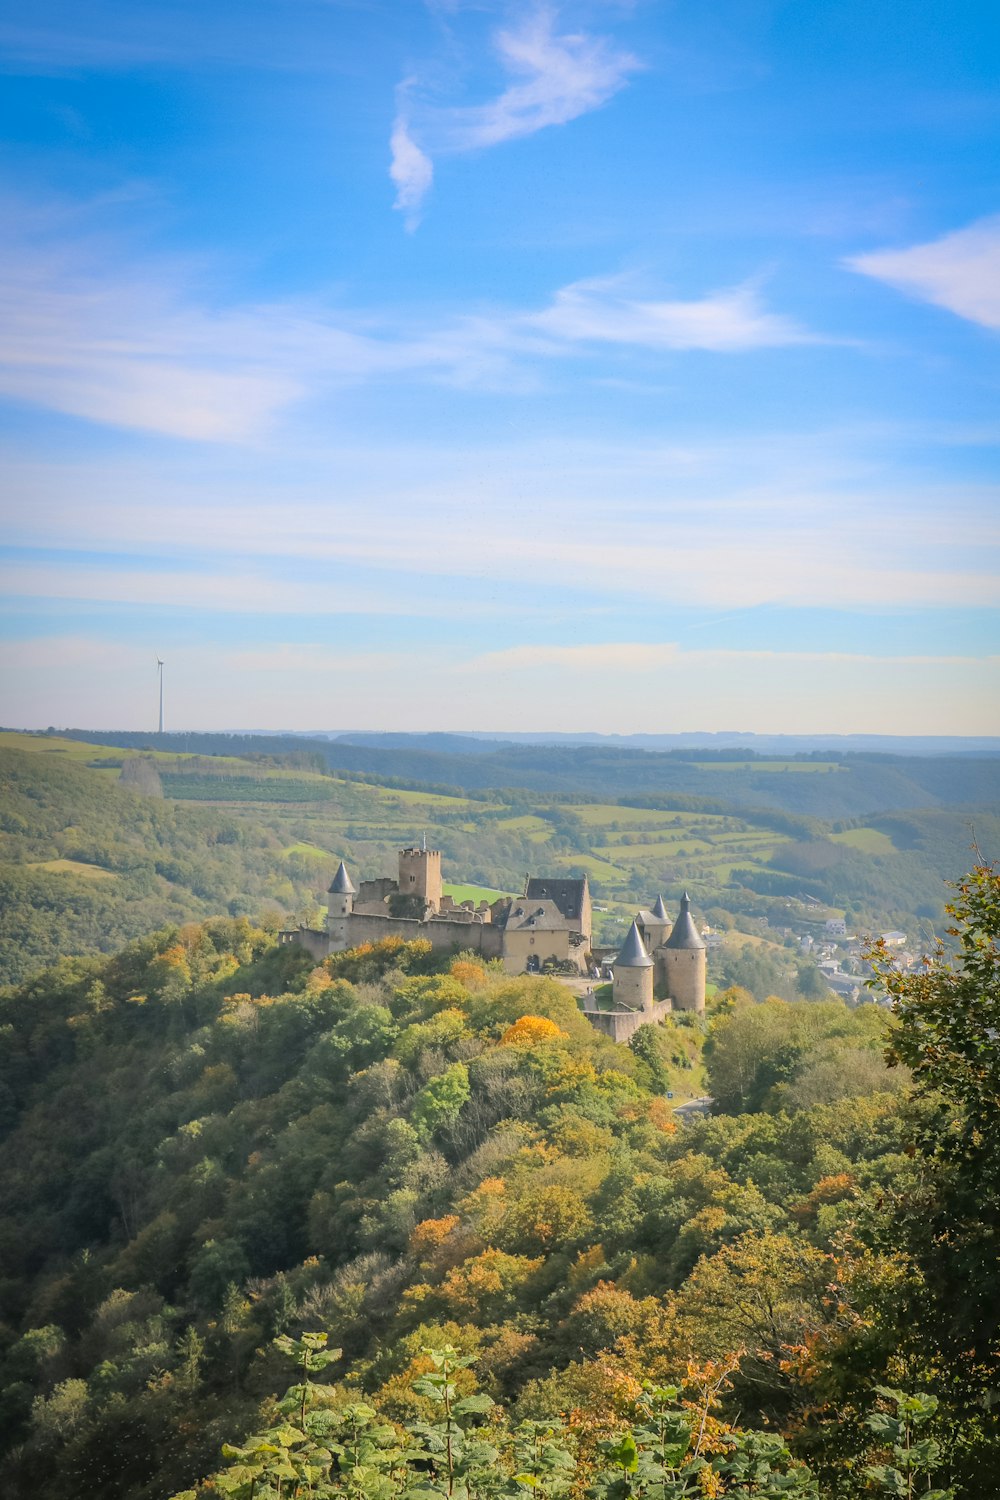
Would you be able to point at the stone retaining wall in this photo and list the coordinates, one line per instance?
(619, 1025)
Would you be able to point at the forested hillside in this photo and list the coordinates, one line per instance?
(87, 864)
(826, 786)
(98, 846)
(210, 1143)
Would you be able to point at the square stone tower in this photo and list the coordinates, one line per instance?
(420, 875)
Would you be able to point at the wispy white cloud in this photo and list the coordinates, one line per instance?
(600, 311)
(217, 590)
(804, 521)
(93, 340)
(562, 76)
(411, 170)
(960, 271)
(556, 76)
(88, 330)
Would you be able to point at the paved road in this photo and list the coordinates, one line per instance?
(695, 1107)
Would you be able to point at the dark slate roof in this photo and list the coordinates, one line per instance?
(632, 954)
(685, 933)
(341, 885)
(540, 916)
(660, 911)
(568, 895)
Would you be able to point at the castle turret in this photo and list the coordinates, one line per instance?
(633, 971)
(420, 875)
(683, 962)
(654, 925)
(339, 908)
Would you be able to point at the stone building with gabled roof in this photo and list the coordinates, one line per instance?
(570, 894)
(549, 926)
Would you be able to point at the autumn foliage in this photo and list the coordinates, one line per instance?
(529, 1030)
(410, 1156)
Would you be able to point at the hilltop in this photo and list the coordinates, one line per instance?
(89, 860)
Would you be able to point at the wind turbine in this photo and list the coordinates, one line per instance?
(159, 668)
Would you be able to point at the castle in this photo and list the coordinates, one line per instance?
(550, 925)
(660, 967)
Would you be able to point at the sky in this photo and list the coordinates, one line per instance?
(626, 366)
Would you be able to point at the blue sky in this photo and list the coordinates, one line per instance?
(619, 366)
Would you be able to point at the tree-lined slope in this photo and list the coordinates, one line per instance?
(209, 1142)
(98, 845)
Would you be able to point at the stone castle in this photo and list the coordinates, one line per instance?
(659, 968)
(549, 926)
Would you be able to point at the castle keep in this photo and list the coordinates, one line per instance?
(549, 924)
(659, 968)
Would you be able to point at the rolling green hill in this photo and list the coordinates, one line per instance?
(89, 860)
(850, 785)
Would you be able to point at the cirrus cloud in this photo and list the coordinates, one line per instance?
(557, 76)
(92, 331)
(960, 271)
(599, 311)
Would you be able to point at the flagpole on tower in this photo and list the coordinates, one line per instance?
(159, 668)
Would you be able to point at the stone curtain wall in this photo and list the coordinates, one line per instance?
(619, 1025)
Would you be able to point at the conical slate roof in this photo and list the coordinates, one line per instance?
(341, 885)
(685, 933)
(632, 954)
(659, 910)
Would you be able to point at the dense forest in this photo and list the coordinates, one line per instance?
(222, 1164)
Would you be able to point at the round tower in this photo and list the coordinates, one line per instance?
(339, 908)
(683, 960)
(633, 971)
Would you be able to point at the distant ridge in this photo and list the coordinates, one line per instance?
(476, 742)
(845, 782)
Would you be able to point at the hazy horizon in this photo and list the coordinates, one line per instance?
(764, 743)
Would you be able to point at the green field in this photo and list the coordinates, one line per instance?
(427, 799)
(232, 788)
(597, 869)
(319, 818)
(610, 814)
(475, 893)
(308, 851)
(535, 829)
(72, 867)
(869, 840)
(767, 765)
(644, 852)
(73, 750)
